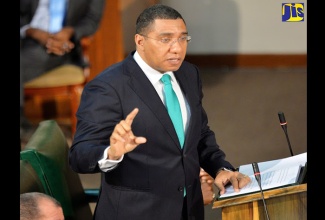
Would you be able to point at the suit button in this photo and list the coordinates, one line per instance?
(181, 188)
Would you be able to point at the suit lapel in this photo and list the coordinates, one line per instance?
(144, 89)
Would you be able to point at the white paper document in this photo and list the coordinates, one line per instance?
(274, 174)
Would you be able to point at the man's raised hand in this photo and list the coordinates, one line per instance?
(122, 139)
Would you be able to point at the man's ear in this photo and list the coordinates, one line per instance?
(139, 40)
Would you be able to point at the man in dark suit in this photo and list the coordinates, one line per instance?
(42, 49)
(125, 132)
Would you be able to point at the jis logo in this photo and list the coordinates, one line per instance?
(292, 12)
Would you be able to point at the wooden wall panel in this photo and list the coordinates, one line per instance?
(106, 46)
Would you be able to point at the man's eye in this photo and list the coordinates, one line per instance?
(183, 39)
(165, 40)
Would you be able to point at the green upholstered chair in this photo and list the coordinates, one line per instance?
(29, 180)
(47, 152)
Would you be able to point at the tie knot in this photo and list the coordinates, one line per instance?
(165, 79)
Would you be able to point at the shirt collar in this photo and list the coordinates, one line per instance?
(152, 74)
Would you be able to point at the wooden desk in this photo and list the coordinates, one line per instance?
(287, 203)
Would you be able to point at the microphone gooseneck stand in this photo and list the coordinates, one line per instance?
(258, 179)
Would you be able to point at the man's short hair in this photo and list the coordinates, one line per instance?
(29, 208)
(149, 15)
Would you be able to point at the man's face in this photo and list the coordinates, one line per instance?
(164, 47)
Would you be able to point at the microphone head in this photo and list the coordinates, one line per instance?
(283, 124)
(282, 118)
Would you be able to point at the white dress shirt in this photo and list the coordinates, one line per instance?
(41, 18)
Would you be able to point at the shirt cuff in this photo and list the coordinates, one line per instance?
(23, 30)
(106, 164)
(225, 169)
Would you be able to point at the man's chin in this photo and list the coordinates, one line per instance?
(173, 68)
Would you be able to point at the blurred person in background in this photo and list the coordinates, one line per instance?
(208, 193)
(39, 206)
(50, 34)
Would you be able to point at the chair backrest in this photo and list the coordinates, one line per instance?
(47, 152)
(29, 180)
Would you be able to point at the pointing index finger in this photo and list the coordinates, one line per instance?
(131, 116)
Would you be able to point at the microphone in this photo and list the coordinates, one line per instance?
(258, 179)
(257, 173)
(283, 124)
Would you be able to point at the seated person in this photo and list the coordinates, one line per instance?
(207, 187)
(44, 47)
(39, 206)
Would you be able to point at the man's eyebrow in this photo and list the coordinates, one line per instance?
(171, 34)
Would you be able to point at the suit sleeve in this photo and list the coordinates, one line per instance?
(211, 156)
(98, 113)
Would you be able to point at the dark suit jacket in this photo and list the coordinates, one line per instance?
(148, 184)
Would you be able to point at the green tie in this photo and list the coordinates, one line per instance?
(173, 108)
